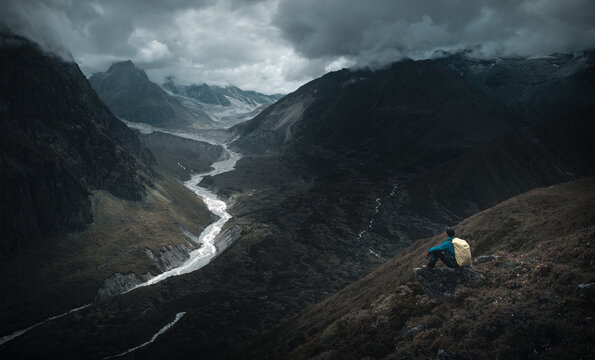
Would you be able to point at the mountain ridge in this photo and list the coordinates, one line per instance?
(542, 87)
(407, 96)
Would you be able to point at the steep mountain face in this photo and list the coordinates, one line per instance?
(532, 302)
(542, 88)
(129, 93)
(59, 141)
(228, 105)
(512, 163)
(413, 108)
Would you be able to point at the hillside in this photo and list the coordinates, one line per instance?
(413, 108)
(58, 142)
(369, 169)
(530, 157)
(527, 305)
(129, 93)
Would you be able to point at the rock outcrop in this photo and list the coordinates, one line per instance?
(588, 289)
(442, 282)
(447, 355)
(117, 284)
(486, 258)
(170, 256)
(227, 237)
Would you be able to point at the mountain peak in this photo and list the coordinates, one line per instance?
(127, 68)
(123, 64)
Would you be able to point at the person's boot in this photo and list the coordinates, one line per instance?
(431, 263)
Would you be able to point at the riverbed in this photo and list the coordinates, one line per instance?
(207, 249)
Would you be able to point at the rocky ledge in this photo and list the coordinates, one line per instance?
(442, 282)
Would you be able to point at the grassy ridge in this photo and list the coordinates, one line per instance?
(526, 306)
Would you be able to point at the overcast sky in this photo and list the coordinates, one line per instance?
(274, 46)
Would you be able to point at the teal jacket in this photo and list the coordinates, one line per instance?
(447, 247)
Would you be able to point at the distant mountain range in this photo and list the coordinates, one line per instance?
(129, 93)
(228, 105)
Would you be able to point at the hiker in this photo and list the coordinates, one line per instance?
(447, 253)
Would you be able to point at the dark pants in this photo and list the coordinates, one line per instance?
(451, 263)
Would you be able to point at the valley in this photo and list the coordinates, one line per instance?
(155, 221)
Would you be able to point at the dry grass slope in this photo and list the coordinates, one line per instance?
(526, 306)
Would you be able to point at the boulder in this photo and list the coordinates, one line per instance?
(588, 289)
(117, 284)
(441, 282)
(409, 334)
(486, 258)
(447, 355)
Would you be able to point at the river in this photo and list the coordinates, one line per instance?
(197, 258)
(207, 251)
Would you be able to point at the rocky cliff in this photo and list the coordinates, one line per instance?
(58, 142)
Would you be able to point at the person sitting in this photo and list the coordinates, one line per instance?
(444, 252)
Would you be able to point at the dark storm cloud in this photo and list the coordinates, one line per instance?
(381, 30)
(216, 41)
(277, 45)
(103, 25)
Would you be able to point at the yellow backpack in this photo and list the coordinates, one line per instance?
(462, 252)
